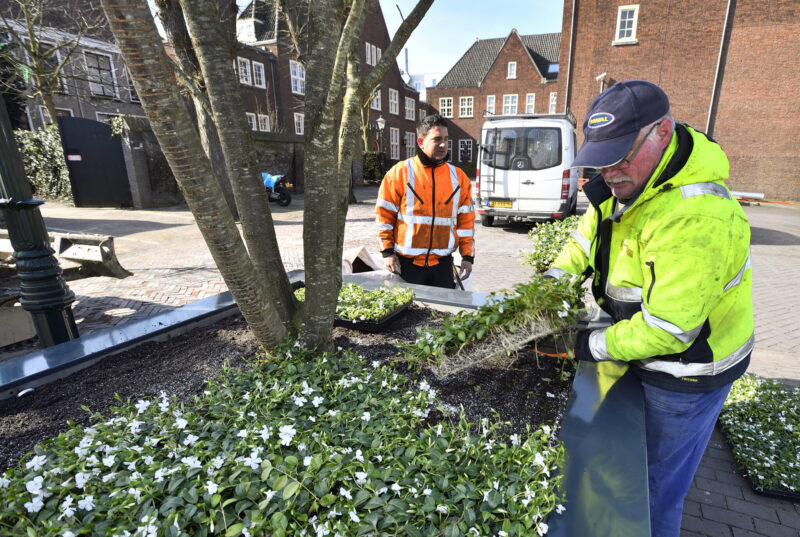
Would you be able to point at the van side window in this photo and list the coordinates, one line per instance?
(543, 147)
(499, 148)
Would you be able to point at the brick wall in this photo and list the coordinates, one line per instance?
(759, 84)
(528, 80)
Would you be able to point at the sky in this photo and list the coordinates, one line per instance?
(451, 26)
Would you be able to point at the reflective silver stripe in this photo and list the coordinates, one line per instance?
(466, 209)
(464, 232)
(683, 369)
(583, 241)
(738, 278)
(387, 205)
(556, 272)
(451, 243)
(675, 331)
(409, 202)
(700, 189)
(420, 251)
(624, 294)
(597, 345)
(427, 220)
(385, 226)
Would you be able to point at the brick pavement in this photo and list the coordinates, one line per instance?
(172, 266)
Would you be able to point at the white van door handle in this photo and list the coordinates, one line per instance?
(528, 182)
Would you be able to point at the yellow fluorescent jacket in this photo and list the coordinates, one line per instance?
(677, 280)
(425, 212)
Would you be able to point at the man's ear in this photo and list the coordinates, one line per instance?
(664, 130)
(420, 140)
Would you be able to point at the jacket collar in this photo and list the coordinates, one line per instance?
(428, 162)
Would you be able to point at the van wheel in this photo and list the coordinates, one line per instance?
(486, 220)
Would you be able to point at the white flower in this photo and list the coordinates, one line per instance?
(191, 462)
(365, 416)
(242, 433)
(81, 479)
(396, 488)
(34, 506)
(217, 462)
(560, 509)
(317, 401)
(442, 509)
(269, 494)
(34, 486)
(68, 534)
(502, 533)
(361, 478)
(148, 460)
(109, 476)
(307, 461)
(345, 493)
(190, 439)
(286, 433)
(514, 439)
(265, 432)
(307, 389)
(211, 487)
(354, 516)
(299, 400)
(550, 395)
(541, 529)
(180, 423)
(109, 461)
(135, 493)
(87, 504)
(36, 463)
(359, 456)
(333, 413)
(4, 482)
(427, 492)
(142, 405)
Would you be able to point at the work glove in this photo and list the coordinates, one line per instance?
(582, 350)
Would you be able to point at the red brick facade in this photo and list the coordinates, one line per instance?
(678, 47)
(496, 83)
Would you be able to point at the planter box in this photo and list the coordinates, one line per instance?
(370, 325)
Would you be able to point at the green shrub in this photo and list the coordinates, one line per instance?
(548, 240)
(372, 167)
(44, 163)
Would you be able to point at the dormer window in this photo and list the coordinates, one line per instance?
(627, 18)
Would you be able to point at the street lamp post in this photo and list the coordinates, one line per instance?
(43, 291)
(381, 124)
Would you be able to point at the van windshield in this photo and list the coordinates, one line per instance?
(522, 148)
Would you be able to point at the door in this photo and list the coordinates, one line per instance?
(96, 166)
(500, 175)
(540, 154)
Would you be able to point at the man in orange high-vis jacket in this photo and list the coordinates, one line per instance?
(424, 212)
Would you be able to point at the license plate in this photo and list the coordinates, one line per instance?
(506, 204)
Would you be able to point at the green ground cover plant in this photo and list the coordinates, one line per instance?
(548, 239)
(300, 444)
(359, 304)
(761, 419)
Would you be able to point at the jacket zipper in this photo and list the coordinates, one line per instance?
(652, 266)
(415, 193)
(433, 211)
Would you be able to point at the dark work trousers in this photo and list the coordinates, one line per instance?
(439, 275)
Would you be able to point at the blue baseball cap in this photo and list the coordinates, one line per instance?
(615, 119)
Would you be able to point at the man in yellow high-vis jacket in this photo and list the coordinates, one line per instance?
(669, 251)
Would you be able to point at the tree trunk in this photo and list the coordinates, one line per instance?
(136, 35)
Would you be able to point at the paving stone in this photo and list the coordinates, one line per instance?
(757, 510)
(789, 519)
(774, 530)
(707, 528)
(706, 497)
(727, 516)
(719, 487)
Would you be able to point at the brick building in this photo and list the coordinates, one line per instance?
(729, 67)
(513, 75)
(262, 28)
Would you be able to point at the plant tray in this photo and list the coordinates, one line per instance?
(778, 494)
(372, 326)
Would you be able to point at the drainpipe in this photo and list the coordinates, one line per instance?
(569, 57)
(720, 71)
(271, 57)
(43, 291)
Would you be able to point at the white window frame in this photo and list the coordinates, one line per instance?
(422, 114)
(98, 116)
(131, 90)
(411, 107)
(113, 74)
(465, 144)
(44, 115)
(530, 103)
(511, 70)
(466, 106)
(243, 68)
(258, 67)
(490, 104)
(411, 144)
(299, 123)
(507, 104)
(377, 58)
(634, 21)
(553, 101)
(376, 101)
(446, 106)
(368, 58)
(61, 79)
(263, 122)
(394, 143)
(450, 147)
(297, 73)
(251, 120)
(374, 54)
(394, 102)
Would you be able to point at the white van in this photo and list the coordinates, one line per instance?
(524, 169)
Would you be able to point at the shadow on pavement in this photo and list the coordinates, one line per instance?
(116, 228)
(771, 237)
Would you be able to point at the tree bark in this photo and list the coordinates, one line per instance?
(153, 76)
(222, 87)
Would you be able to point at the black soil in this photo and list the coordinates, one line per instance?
(528, 393)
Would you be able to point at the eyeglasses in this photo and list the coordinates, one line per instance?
(626, 160)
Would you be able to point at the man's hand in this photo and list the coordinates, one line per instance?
(392, 264)
(466, 270)
(582, 350)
